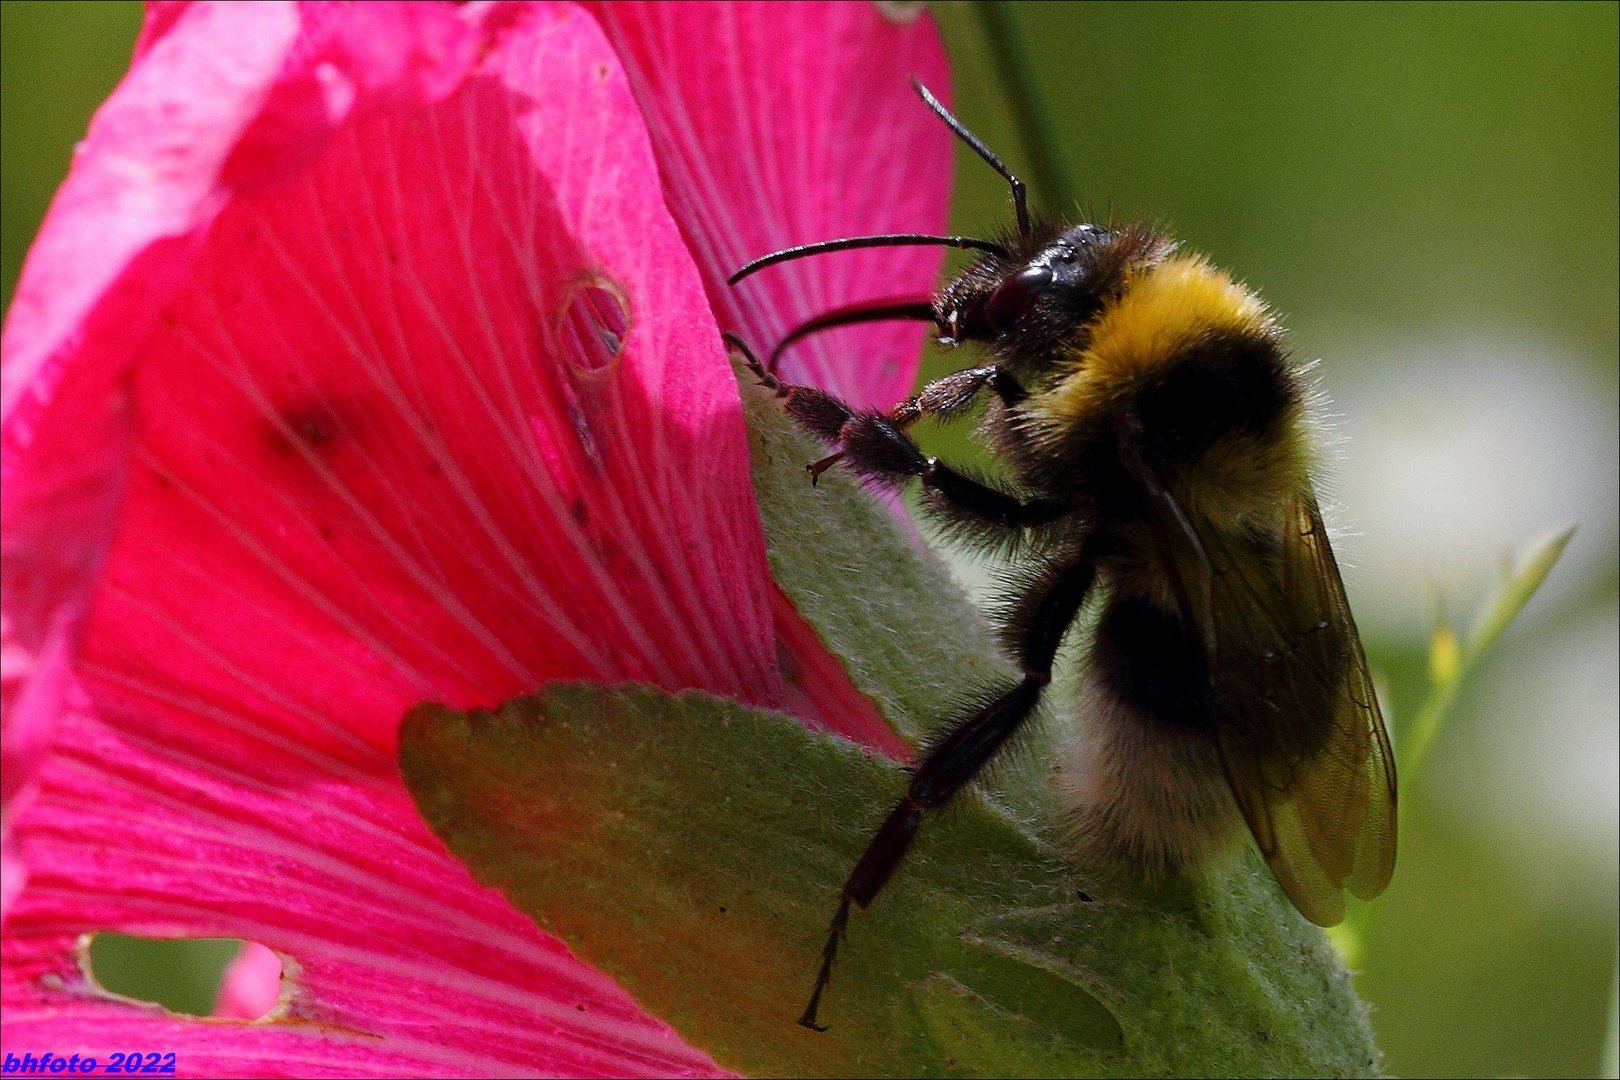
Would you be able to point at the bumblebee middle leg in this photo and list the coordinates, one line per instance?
(951, 395)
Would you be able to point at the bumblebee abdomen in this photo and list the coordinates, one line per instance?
(1149, 659)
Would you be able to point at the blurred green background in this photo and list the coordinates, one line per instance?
(1428, 193)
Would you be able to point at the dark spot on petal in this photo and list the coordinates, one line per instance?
(788, 663)
(307, 427)
(313, 430)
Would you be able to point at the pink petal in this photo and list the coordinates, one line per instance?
(367, 448)
(32, 687)
(778, 124)
(399, 963)
(140, 189)
(251, 984)
(115, 247)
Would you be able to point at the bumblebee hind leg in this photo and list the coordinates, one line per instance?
(971, 744)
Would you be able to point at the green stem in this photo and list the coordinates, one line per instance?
(1518, 585)
(1036, 131)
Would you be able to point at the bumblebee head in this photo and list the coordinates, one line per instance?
(1044, 287)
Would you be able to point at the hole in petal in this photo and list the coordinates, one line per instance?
(595, 321)
(225, 977)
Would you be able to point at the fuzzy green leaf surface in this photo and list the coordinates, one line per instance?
(693, 848)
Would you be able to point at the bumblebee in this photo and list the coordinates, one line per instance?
(1156, 434)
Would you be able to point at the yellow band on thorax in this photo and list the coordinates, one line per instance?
(1166, 307)
(1163, 309)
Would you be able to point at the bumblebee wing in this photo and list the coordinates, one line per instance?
(1301, 738)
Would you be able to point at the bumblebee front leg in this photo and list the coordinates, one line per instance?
(951, 395)
(1039, 626)
(876, 445)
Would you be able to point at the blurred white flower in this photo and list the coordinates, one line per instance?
(1547, 734)
(1456, 450)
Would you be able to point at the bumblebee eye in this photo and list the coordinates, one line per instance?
(1015, 295)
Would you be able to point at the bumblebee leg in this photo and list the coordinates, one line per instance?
(819, 412)
(879, 449)
(824, 415)
(966, 750)
(951, 395)
(876, 444)
(943, 399)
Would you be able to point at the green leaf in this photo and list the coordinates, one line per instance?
(1610, 1065)
(693, 849)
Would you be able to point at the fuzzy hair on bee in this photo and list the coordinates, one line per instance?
(1157, 439)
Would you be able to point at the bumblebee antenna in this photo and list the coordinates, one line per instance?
(907, 308)
(1019, 197)
(885, 240)
(1020, 205)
